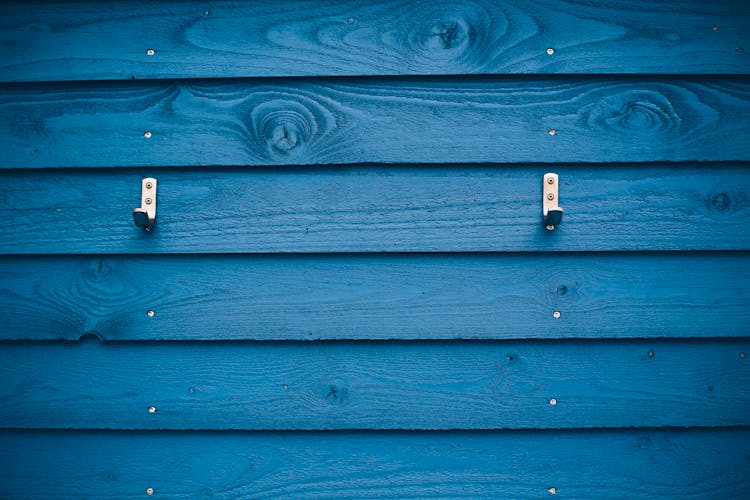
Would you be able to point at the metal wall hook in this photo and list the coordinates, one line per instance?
(551, 212)
(145, 216)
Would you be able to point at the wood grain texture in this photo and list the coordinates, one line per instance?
(638, 464)
(344, 121)
(376, 385)
(375, 296)
(373, 209)
(97, 40)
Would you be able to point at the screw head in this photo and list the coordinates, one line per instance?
(550, 228)
(147, 135)
(742, 355)
(152, 409)
(553, 401)
(150, 52)
(550, 180)
(651, 354)
(150, 313)
(552, 491)
(550, 51)
(552, 131)
(148, 201)
(556, 314)
(149, 491)
(149, 185)
(550, 196)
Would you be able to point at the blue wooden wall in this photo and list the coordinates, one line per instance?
(349, 290)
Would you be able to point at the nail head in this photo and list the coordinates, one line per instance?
(553, 401)
(350, 20)
(152, 409)
(150, 313)
(552, 491)
(149, 491)
(550, 51)
(550, 228)
(556, 314)
(147, 135)
(151, 52)
(552, 131)
(650, 354)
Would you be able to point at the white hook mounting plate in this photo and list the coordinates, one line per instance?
(145, 216)
(551, 211)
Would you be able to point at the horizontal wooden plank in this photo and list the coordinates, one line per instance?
(373, 209)
(376, 385)
(96, 40)
(642, 463)
(476, 296)
(345, 121)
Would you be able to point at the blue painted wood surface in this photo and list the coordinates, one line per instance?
(415, 127)
(100, 40)
(702, 464)
(377, 209)
(385, 296)
(375, 385)
(395, 120)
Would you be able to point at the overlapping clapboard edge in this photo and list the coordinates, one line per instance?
(426, 208)
(375, 385)
(53, 41)
(643, 463)
(375, 296)
(375, 120)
